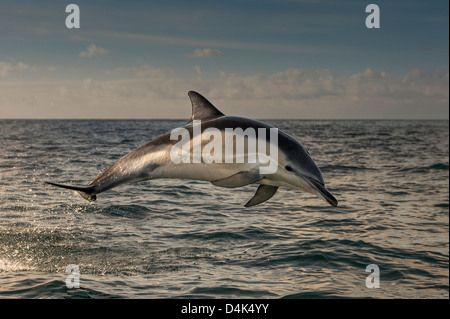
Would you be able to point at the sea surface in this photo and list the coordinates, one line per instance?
(189, 239)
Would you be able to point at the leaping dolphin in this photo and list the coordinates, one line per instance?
(294, 166)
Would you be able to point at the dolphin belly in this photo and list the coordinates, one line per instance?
(199, 171)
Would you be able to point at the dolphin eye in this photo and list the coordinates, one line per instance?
(288, 168)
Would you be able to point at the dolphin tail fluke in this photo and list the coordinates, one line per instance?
(85, 192)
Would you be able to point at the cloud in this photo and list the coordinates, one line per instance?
(204, 42)
(151, 92)
(148, 71)
(141, 71)
(198, 70)
(92, 51)
(205, 53)
(7, 69)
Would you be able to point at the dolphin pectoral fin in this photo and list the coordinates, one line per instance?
(238, 180)
(263, 193)
(85, 192)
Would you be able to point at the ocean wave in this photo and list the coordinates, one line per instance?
(57, 289)
(224, 291)
(345, 168)
(424, 169)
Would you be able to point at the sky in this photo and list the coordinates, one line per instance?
(262, 59)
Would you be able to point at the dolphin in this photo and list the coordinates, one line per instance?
(295, 168)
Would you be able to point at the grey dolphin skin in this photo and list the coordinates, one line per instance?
(294, 166)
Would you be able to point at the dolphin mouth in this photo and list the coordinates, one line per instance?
(323, 192)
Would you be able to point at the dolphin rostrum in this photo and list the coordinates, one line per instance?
(294, 167)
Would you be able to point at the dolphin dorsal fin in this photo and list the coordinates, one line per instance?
(202, 109)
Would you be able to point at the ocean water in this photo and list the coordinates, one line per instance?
(188, 239)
